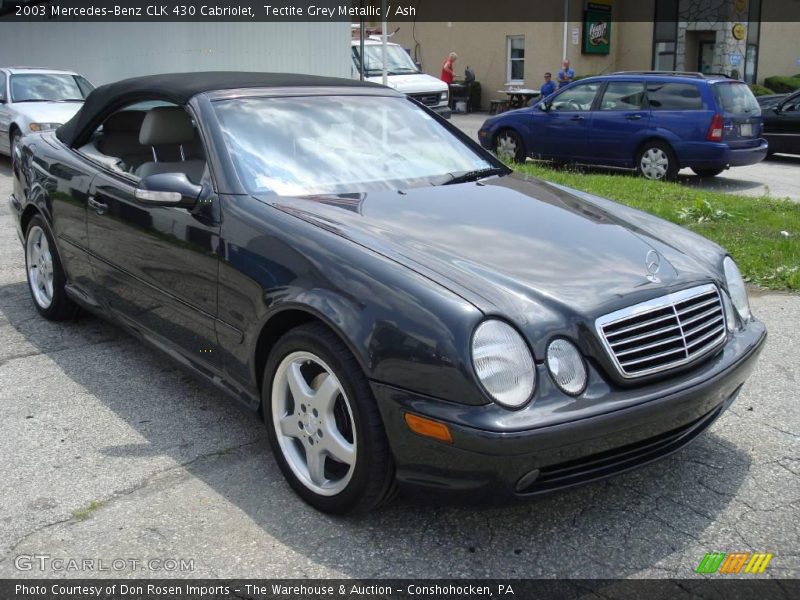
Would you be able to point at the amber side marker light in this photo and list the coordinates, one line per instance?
(429, 428)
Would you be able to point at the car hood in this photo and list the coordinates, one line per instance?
(46, 112)
(514, 246)
(414, 83)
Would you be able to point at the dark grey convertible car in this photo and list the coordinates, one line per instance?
(401, 308)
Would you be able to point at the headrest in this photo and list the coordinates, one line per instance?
(166, 125)
(125, 121)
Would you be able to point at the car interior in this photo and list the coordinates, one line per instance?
(144, 140)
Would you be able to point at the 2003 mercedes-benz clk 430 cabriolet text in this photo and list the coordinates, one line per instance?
(402, 310)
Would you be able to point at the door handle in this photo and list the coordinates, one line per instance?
(577, 118)
(100, 208)
(633, 117)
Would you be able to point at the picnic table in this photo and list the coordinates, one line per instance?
(520, 97)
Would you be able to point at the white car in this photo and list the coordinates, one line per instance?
(34, 99)
(403, 74)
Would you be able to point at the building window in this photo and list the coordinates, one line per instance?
(665, 35)
(516, 58)
(664, 56)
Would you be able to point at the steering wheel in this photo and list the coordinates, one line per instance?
(574, 105)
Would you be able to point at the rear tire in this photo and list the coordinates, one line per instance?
(323, 423)
(656, 161)
(45, 274)
(508, 146)
(707, 172)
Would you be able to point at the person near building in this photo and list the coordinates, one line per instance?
(565, 75)
(549, 86)
(448, 74)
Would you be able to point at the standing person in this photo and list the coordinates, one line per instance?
(565, 75)
(448, 74)
(549, 86)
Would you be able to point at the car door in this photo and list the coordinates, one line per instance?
(567, 121)
(782, 126)
(618, 124)
(156, 267)
(5, 115)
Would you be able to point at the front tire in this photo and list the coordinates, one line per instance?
(508, 146)
(707, 172)
(46, 276)
(656, 161)
(323, 423)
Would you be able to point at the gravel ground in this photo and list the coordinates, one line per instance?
(110, 452)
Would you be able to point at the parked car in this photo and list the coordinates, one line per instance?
(781, 116)
(402, 309)
(403, 75)
(654, 122)
(33, 99)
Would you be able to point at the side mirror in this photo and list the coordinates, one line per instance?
(168, 189)
(544, 106)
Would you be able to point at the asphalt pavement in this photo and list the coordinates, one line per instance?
(111, 453)
(775, 177)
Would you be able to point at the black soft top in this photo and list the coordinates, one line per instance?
(178, 88)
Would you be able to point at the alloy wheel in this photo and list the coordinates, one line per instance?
(40, 266)
(314, 423)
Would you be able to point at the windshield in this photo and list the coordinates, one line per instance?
(48, 87)
(397, 60)
(339, 144)
(737, 98)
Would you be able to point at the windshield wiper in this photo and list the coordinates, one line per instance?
(473, 175)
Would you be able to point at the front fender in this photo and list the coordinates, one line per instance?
(404, 329)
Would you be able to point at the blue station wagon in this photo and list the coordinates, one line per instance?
(654, 122)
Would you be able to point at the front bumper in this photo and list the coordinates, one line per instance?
(500, 465)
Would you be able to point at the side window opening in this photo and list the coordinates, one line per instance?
(576, 98)
(674, 96)
(175, 141)
(623, 95)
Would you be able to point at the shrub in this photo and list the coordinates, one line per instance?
(760, 90)
(782, 84)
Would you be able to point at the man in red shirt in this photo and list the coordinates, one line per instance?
(448, 74)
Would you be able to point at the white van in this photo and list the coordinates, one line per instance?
(403, 74)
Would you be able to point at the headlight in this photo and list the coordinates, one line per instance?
(443, 96)
(566, 366)
(503, 363)
(44, 126)
(736, 289)
(730, 317)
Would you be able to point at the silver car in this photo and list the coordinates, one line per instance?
(34, 99)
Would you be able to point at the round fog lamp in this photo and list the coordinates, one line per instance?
(566, 367)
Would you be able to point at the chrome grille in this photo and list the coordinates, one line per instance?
(428, 99)
(664, 333)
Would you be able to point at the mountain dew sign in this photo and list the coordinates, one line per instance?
(597, 29)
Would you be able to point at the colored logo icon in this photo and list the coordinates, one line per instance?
(734, 563)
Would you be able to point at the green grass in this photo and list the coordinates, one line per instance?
(81, 514)
(750, 228)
